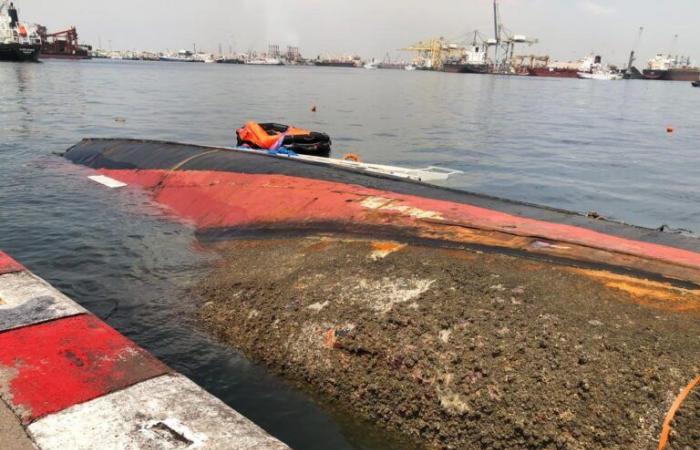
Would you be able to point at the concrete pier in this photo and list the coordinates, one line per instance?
(68, 380)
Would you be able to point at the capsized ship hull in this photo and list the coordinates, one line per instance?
(345, 197)
(411, 304)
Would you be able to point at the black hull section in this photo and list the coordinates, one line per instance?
(19, 53)
(466, 68)
(634, 74)
(334, 64)
(650, 74)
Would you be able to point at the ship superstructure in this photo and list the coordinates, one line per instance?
(19, 41)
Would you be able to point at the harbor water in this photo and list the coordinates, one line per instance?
(566, 143)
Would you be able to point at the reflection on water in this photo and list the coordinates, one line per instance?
(566, 143)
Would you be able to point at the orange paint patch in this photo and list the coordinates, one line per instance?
(463, 255)
(381, 249)
(318, 246)
(652, 294)
(329, 338)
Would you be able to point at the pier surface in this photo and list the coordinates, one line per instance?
(68, 380)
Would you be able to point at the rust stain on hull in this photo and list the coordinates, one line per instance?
(649, 293)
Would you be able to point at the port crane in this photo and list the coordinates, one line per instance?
(632, 58)
(433, 52)
(65, 41)
(504, 43)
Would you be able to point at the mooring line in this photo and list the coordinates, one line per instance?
(666, 428)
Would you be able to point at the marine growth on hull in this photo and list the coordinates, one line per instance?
(464, 349)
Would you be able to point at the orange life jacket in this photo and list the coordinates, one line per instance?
(256, 135)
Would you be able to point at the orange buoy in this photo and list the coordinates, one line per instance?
(351, 157)
(669, 129)
(313, 108)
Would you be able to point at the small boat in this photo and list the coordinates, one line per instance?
(371, 65)
(696, 83)
(409, 67)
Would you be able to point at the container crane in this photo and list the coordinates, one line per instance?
(434, 52)
(504, 42)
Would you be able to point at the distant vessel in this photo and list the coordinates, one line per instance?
(474, 60)
(565, 69)
(684, 74)
(387, 64)
(605, 75)
(600, 72)
(63, 44)
(372, 65)
(338, 62)
(666, 67)
(265, 62)
(409, 67)
(181, 56)
(18, 41)
(230, 60)
(391, 65)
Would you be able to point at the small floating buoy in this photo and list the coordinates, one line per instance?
(351, 157)
(669, 129)
(313, 108)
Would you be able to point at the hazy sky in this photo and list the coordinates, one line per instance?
(566, 29)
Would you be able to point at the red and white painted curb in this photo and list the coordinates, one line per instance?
(75, 383)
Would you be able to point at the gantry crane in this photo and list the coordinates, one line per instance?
(504, 42)
(435, 51)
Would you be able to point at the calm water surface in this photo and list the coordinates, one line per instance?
(581, 145)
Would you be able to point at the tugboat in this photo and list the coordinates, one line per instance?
(18, 41)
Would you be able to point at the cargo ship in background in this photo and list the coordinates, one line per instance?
(353, 61)
(568, 69)
(63, 44)
(18, 41)
(386, 63)
(474, 60)
(666, 67)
